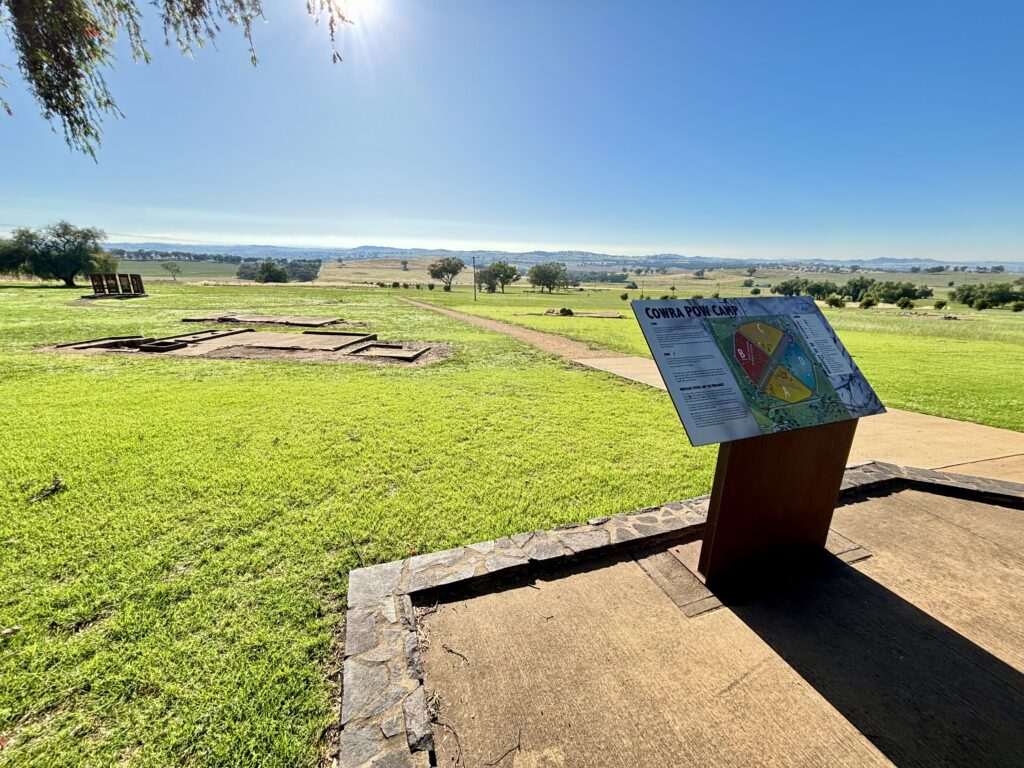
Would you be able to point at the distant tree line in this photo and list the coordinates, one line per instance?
(279, 270)
(578, 277)
(855, 289)
(60, 251)
(148, 255)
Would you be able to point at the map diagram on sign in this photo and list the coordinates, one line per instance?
(781, 381)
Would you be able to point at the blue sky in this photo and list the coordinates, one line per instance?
(757, 129)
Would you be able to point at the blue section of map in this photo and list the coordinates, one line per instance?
(795, 361)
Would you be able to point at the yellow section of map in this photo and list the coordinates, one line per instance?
(767, 337)
(785, 386)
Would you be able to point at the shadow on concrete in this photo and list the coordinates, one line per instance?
(922, 693)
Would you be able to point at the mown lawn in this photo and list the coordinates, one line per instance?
(179, 602)
(966, 369)
(190, 270)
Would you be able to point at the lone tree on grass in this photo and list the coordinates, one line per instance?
(269, 272)
(446, 270)
(64, 50)
(60, 251)
(405, 265)
(550, 275)
(173, 268)
(503, 274)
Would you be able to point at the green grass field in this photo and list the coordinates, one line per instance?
(191, 271)
(964, 369)
(180, 602)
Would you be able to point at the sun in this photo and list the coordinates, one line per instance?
(362, 11)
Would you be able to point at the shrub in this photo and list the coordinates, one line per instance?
(565, 312)
(904, 303)
(755, 291)
(697, 296)
(1017, 306)
(269, 272)
(405, 285)
(624, 296)
(834, 301)
(868, 302)
(980, 303)
(446, 287)
(632, 286)
(748, 283)
(716, 295)
(940, 304)
(430, 286)
(395, 284)
(419, 286)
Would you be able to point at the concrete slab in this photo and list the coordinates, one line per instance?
(913, 657)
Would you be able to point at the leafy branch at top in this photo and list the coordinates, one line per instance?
(64, 47)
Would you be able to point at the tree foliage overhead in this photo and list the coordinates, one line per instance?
(65, 48)
(60, 251)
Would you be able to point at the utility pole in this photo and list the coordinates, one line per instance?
(474, 278)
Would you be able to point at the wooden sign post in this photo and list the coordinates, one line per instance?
(768, 380)
(773, 495)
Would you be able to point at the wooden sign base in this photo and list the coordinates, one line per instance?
(773, 494)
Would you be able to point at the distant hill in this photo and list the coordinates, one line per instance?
(534, 257)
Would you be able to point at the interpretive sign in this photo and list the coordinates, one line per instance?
(738, 368)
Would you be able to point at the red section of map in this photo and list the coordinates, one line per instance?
(750, 356)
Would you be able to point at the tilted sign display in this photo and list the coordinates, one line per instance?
(739, 368)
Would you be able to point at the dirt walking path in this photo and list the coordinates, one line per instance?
(549, 342)
(900, 437)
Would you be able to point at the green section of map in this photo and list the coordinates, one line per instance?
(782, 382)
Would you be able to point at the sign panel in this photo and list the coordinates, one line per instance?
(739, 368)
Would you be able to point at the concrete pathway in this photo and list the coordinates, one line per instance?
(899, 437)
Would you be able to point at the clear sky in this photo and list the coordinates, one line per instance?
(764, 129)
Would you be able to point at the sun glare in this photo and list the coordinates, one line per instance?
(363, 11)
